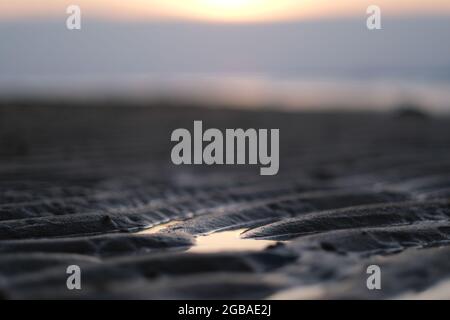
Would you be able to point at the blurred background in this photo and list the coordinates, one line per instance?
(284, 54)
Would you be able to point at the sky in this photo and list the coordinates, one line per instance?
(269, 49)
(219, 10)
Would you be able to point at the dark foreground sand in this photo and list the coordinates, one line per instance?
(77, 184)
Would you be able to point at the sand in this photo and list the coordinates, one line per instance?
(94, 185)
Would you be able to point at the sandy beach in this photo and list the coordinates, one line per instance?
(93, 185)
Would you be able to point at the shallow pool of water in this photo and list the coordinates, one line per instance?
(228, 241)
(218, 241)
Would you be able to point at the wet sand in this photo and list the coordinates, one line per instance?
(94, 185)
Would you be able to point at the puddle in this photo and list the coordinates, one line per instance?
(159, 227)
(228, 241)
(219, 241)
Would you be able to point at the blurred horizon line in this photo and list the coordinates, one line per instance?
(242, 92)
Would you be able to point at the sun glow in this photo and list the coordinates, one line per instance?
(240, 10)
(228, 4)
(219, 10)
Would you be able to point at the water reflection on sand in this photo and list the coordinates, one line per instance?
(219, 241)
(228, 241)
(159, 227)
